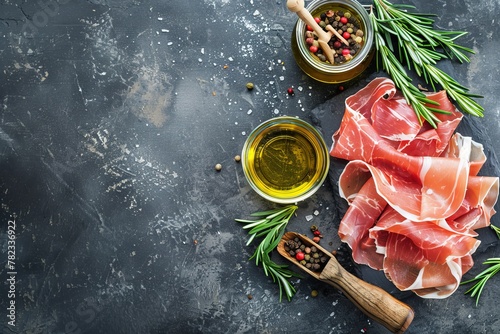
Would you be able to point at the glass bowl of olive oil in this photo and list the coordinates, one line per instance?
(285, 159)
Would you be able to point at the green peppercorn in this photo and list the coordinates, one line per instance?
(314, 293)
(250, 86)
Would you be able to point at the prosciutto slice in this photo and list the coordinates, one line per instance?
(415, 197)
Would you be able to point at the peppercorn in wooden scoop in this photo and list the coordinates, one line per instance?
(375, 302)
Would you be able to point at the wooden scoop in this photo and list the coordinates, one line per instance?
(297, 6)
(372, 300)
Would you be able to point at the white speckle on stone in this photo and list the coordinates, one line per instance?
(160, 19)
(170, 43)
(243, 133)
(230, 58)
(256, 13)
(276, 111)
(249, 111)
(200, 60)
(202, 51)
(309, 217)
(165, 30)
(282, 78)
(300, 88)
(316, 212)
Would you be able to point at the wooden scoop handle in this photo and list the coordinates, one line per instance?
(375, 302)
(297, 6)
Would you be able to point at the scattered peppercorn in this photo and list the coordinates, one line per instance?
(299, 256)
(290, 91)
(314, 293)
(218, 167)
(250, 297)
(316, 239)
(249, 86)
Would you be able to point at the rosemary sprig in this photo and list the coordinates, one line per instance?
(271, 226)
(486, 274)
(481, 279)
(420, 46)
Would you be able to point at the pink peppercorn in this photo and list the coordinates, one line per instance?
(313, 49)
(345, 52)
(346, 35)
(343, 20)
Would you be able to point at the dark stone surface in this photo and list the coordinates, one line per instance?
(113, 116)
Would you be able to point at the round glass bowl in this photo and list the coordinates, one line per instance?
(285, 160)
(324, 71)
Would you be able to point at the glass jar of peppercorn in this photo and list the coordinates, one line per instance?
(349, 48)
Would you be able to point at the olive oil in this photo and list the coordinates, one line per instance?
(285, 160)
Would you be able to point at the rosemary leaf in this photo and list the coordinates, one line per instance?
(496, 229)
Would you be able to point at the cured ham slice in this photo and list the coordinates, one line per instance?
(415, 197)
(363, 212)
